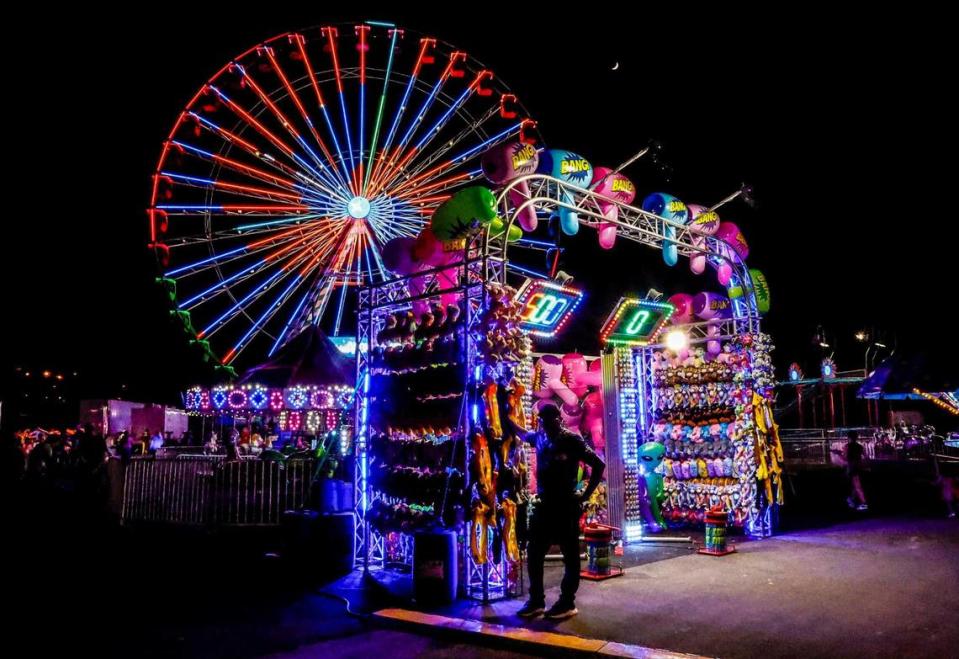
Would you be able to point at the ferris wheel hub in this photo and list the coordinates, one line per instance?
(358, 208)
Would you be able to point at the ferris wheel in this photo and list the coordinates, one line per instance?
(296, 162)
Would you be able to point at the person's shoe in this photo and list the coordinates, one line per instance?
(951, 516)
(850, 502)
(531, 609)
(561, 610)
(862, 506)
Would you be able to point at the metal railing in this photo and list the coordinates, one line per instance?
(824, 446)
(206, 490)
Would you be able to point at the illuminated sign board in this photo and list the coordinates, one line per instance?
(546, 306)
(635, 322)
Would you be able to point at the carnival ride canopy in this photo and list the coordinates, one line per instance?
(308, 359)
(899, 376)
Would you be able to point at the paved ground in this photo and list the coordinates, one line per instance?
(870, 588)
(877, 587)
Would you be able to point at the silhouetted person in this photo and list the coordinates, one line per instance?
(853, 453)
(556, 516)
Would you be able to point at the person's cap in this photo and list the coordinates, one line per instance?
(549, 412)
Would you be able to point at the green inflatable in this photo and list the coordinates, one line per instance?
(760, 286)
(466, 211)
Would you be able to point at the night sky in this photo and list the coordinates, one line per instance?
(838, 125)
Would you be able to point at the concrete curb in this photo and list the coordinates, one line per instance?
(518, 638)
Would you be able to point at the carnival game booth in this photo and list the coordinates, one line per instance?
(688, 427)
(687, 422)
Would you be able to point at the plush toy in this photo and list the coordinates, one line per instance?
(651, 457)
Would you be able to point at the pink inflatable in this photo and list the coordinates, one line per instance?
(730, 234)
(616, 186)
(702, 222)
(507, 162)
(551, 381)
(593, 419)
(574, 367)
(684, 308)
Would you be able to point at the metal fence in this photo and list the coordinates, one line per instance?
(205, 490)
(824, 446)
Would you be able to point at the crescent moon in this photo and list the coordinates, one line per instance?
(616, 66)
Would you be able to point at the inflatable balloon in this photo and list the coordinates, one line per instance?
(702, 222)
(574, 367)
(708, 306)
(615, 186)
(594, 376)
(427, 248)
(593, 419)
(397, 255)
(669, 208)
(730, 234)
(760, 288)
(572, 415)
(551, 380)
(684, 308)
(497, 226)
(464, 212)
(573, 169)
(507, 162)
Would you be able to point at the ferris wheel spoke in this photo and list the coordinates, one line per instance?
(294, 317)
(331, 34)
(249, 191)
(249, 209)
(448, 72)
(244, 230)
(284, 148)
(255, 152)
(415, 195)
(241, 275)
(294, 96)
(473, 129)
(249, 299)
(278, 303)
(281, 273)
(362, 31)
(218, 260)
(379, 111)
(458, 160)
(288, 126)
(235, 166)
(304, 56)
(474, 87)
(421, 59)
